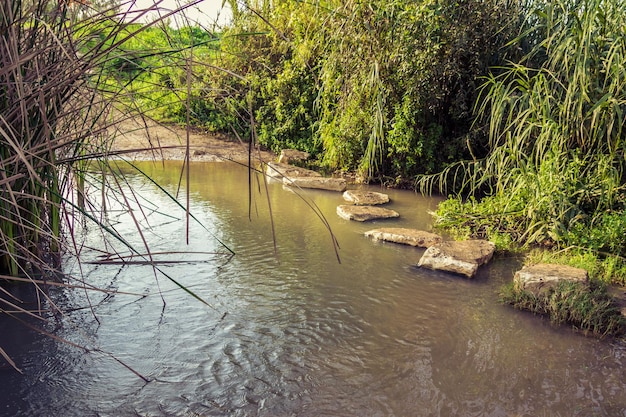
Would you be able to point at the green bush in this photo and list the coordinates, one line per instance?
(386, 88)
(556, 142)
(607, 234)
(399, 81)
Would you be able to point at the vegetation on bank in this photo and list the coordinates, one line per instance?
(149, 69)
(554, 175)
(589, 308)
(384, 88)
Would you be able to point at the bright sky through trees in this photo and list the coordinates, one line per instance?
(206, 12)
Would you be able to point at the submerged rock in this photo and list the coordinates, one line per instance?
(278, 170)
(405, 236)
(365, 213)
(288, 156)
(462, 257)
(365, 198)
(320, 183)
(540, 278)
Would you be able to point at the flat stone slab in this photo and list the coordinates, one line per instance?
(288, 156)
(365, 213)
(413, 237)
(279, 170)
(365, 198)
(320, 183)
(540, 278)
(458, 257)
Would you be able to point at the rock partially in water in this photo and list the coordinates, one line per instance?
(288, 156)
(541, 278)
(413, 237)
(320, 183)
(365, 213)
(462, 257)
(365, 198)
(279, 170)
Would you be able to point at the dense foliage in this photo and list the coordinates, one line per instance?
(148, 70)
(554, 173)
(383, 87)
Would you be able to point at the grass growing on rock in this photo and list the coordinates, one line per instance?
(588, 308)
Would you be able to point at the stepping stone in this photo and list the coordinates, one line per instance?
(320, 183)
(365, 213)
(462, 257)
(405, 236)
(288, 156)
(278, 170)
(541, 278)
(365, 198)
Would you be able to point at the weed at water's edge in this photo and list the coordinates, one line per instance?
(587, 307)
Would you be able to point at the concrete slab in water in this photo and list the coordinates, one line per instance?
(365, 213)
(458, 257)
(413, 237)
(365, 198)
(320, 183)
(278, 170)
(288, 156)
(540, 278)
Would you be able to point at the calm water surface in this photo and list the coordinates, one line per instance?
(290, 331)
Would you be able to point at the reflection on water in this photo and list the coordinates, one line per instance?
(293, 332)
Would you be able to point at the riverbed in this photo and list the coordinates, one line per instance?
(292, 324)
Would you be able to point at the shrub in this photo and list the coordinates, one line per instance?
(382, 87)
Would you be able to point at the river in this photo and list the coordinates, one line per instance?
(295, 328)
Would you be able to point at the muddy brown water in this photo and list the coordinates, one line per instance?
(291, 331)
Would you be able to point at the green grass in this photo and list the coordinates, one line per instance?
(590, 310)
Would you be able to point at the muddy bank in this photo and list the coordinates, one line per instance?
(145, 139)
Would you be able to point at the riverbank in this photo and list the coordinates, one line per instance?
(145, 139)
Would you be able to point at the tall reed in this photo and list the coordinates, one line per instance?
(56, 111)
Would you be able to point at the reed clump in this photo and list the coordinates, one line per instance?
(57, 112)
(588, 308)
(43, 81)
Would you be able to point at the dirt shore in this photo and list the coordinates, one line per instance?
(144, 139)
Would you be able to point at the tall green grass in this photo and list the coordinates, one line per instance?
(556, 126)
